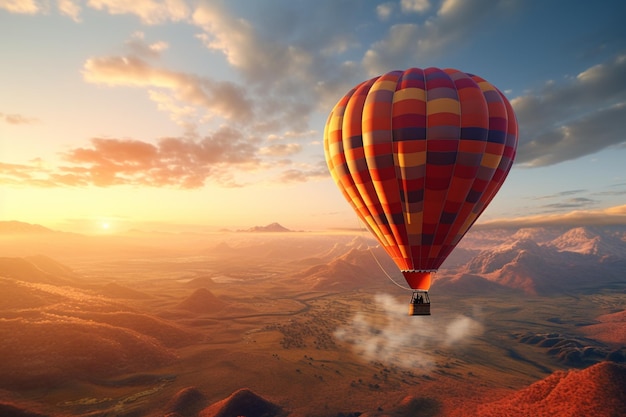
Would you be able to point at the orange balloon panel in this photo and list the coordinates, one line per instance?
(419, 154)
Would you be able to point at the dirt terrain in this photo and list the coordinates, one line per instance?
(309, 323)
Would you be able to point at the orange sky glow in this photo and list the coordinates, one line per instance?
(210, 115)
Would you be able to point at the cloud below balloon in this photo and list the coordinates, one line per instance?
(388, 335)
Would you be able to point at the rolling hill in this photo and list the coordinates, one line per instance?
(598, 391)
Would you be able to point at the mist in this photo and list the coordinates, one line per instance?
(389, 335)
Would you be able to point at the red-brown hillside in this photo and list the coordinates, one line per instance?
(201, 301)
(468, 284)
(598, 391)
(19, 295)
(7, 409)
(51, 266)
(187, 402)
(48, 349)
(167, 333)
(354, 270)
(242, 403)
(24, 269)
(611, 329)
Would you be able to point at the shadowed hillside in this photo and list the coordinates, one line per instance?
(37, 269)
(69, 348)
(187, 402)
(201, 301)
(242, 403)
(356, 269)
(54, 331)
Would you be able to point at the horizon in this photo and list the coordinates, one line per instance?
(614, 218)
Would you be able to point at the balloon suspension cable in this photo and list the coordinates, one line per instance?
(385, 272)
(362, 225)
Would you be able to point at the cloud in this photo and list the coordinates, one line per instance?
(17, 119)
(138, 47)
(223, 98)
(287, 56)
(171, 162)
(36, 174)
(69, 8)
(149, 11)
(21, 6)
(598, 217)
(568, 204)
(305, 174)
(281, 149)
(561, 194)
(176, 162)
(385, 10)
(280, 72)
(579, 117)
(390, 336)
(414, 6)
(407, 43)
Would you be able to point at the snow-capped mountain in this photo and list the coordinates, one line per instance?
(592, 241)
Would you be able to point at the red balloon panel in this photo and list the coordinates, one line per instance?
(419, 154)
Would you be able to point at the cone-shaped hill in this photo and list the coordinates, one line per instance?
(242, 403)
(201, 301)
(187, 402)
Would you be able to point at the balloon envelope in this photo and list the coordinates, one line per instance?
(419, 154)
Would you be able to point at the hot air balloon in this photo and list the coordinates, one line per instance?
(419, 154)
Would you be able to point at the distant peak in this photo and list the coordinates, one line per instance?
(272, 227)
(15, 227)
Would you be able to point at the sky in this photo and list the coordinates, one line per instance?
(202, 115)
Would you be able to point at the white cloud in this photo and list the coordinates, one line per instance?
(389, 335)
(385, 10)
(70, 8)
(414, 6)
(224, 98)
(21, 6)
(149, 11)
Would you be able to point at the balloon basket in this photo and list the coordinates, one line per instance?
(420, 304)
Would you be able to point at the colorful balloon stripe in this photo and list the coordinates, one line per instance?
(419, 154)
